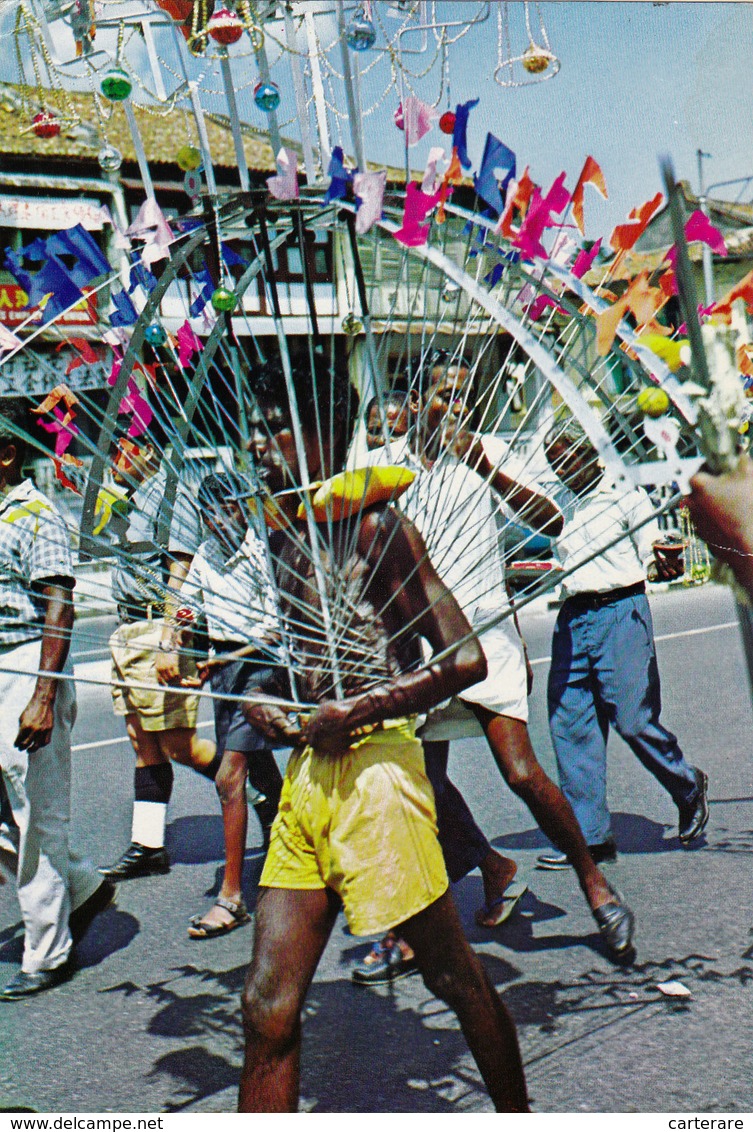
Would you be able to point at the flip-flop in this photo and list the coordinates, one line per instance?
(200, 929)
(494, 914)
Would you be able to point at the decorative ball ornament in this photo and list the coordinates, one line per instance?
(116, 85)
(450, 290)
(224, 298)
(360, 34)
(155, 334)
(188, 158)
(398, 117)
(45, 124)
(653, 401)
(447, 122)
(351, 325)
(110, 159)
(536, 59)
(225, 27)
(266, 96)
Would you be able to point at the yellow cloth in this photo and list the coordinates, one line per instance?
(133, 649)
(364, 825)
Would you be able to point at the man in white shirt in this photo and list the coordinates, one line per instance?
(604, 671)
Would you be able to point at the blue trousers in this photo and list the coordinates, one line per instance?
(604, 673)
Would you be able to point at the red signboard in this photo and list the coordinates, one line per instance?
(13, 309)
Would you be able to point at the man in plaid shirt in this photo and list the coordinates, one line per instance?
(59, 894)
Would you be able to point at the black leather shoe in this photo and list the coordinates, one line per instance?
(383, 965)
(137, 861)
(694, 815)
(616, 923)
(26, 983)
(604, 851)
(80, 920)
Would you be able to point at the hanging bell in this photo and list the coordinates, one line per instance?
(110, 159)
(360, 34)
(447, 122)
(266, 96)
(188, 158)
(536, 59)
(224, 298)
(116, 85)
(45, 124)
(225, 27)
(155, 334)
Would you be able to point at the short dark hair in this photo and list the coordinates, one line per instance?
(14, 427)
(394, 396)
(571, 432)
(323, 391)
(219, 488)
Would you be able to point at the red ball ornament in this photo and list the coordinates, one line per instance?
(45, 125)
(447, 122)
(225, 27)
(398, 116)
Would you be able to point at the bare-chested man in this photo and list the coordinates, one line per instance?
(356, 822)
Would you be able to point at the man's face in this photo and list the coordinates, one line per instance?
(396, 417)
(577, 467)
(446, 407)
(272, 446)
(227, 522)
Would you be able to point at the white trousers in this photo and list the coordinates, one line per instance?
(50, 879)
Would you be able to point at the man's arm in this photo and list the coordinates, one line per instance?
(38, 717)
(419, 600)
(533, 507)
(722, 510)
(167, 661)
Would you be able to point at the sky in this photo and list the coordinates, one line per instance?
(637, 80)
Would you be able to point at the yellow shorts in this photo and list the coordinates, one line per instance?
(133, 648)
(364, 825)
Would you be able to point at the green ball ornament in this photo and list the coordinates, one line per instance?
(188, 158)
(224, 299)
(116, 85)
(653, 402)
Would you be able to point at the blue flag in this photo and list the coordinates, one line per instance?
(77, 244)
(340, 176)
(489, 185)
(459, 139)
(125, 313)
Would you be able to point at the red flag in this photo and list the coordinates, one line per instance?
(590, 174)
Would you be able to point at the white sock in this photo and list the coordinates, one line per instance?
(149, 824)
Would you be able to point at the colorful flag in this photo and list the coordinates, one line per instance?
(460, 132)
(496, 172)
(369, 190)
(418, 205)
(590, 174)
(284, 185)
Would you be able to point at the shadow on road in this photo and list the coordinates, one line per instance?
(633, 833)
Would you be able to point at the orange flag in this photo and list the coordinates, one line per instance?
(641, 300)
(590, 174)
(625, 235)
(741, 290)
(520, 200)
(453, 176)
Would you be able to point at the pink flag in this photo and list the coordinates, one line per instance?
(188, 344)
(539, 217)
(418, 205)
(141, 410)
(369, 188)
(284, 186)
(700, 228)
(584, 259)
(417, 119)
(151, 226)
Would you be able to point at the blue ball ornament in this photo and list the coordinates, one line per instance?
(360, 34)
(155, 334)
(266, 97)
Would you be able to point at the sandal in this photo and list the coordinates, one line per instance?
(494, 914)
(200, 929)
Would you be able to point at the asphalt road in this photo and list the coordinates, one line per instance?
(151, 1020)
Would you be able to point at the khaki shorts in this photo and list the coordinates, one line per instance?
(133, 648)
(364, 825)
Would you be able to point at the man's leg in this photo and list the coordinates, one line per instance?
(453, 972)
(629, 683)
(510, 744)
(291, 932)
(578, 732)
(231, 788)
